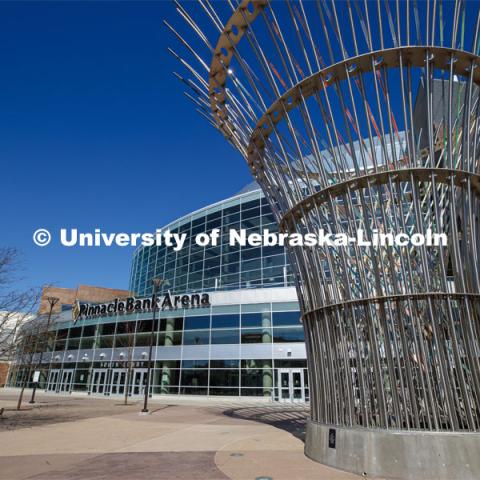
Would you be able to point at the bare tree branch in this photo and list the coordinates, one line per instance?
(16, 307)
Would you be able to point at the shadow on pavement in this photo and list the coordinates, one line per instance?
(292, 419)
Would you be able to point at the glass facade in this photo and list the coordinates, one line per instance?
(248, 342)
(97, 355)
(221, 267)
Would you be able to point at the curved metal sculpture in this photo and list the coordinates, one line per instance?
(364, 115)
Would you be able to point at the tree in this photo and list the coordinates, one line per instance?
(16, 307)
(28, 344)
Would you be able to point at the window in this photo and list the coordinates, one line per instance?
(197, 323)
(225, 321)
(194, 378)
(62, 334)
(294, 334)
(124, 327)
(194, 363)
(87, 343)
(251, 253)
(145, 326)
(256, 392)
(256, 335)
(257, 363)
(196, 337)
(252, 213)
(122, 341)
(169, 339)
(254, 378)
(225, 336)
(73, 344)
(172, 323)
(286, 318)
(291, 363)
(250, 204)
(255, 319)
(193, 391)
(229, 363)
(106, 342)
(107, 329)
(75, 332)
(224, 378)
(225, 391)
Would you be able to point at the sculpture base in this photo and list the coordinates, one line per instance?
(395, 454)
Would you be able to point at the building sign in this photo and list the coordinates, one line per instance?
(139, 305)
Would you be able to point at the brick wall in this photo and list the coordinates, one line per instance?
(83, 293)
(3, 373)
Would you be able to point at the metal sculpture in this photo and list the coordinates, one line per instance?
(362, 114)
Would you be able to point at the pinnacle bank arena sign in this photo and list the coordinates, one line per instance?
(140, 305)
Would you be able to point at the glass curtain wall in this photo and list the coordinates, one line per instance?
(118, 337)
(221, 267)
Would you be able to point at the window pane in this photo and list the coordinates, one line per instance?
(224, 363)
(193, 391)
(257, 363)
(227, 378)
(105, 342)
(254, 378)
(288, 334)
(89, 331)
(225, 391)
(256, 392)
(142, 340)
(125, 327)
(169, 339)
(254, 319)
(195, 378)
(256, 335)
(286, 318)
(224, 336)
(194, 363)
(225, 321)
(196, 323)
(197, 337)
(75, 332)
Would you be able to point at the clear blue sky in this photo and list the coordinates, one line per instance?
(96, 132)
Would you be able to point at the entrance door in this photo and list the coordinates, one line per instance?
(117, 386)
(139, 379)
(99, 378)
(53, 377)
(291, 386)
(67, 380)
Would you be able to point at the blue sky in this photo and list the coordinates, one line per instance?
(95, 133)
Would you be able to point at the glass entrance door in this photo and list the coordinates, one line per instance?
(52, 381)
(99, 378)
(291, 385)
(67, 380)
(139, 379)
(119, 377)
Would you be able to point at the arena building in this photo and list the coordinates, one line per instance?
(234, 331)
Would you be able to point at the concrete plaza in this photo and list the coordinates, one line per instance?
(80, 437)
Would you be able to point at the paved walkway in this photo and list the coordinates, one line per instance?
(63, 438)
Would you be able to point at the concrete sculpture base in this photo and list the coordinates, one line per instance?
(395, 454)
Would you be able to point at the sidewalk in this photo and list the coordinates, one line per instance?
(63, 438)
